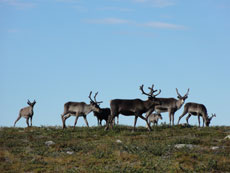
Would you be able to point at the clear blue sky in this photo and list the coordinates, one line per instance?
(59, 50)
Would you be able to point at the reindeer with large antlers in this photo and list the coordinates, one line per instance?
(79, 109)
(171, 105)
(134, 107)
(198, 110)
(27, 112)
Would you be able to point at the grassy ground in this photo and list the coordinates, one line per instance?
(118, 150)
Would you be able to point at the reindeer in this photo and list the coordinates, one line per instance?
(170, 105)
(103, 114)
(154, 118)
(134, 107)
(198, 110)
(26, 112)
(79, 109)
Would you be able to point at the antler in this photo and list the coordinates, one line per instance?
(157, 93)
(187, 92)
(90, 96)
(178, 93)
(151, 91)
(96, 100)
(213, 115)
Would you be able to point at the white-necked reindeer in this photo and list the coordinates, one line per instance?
(27, 112)
(198, 110)
(170, 105)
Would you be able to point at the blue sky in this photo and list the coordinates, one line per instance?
(59, 50)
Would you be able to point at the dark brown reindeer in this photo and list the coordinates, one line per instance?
(27, 112)
(79, 109)
(103, 114)
(171, 105)
(134, 107)
(198, 110)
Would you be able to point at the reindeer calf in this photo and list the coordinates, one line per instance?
(26, 112)
(154, 118)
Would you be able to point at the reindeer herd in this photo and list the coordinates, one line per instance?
(152, 107)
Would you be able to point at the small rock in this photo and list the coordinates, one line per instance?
(190, 146)
(48, 143)
(215, 148)
(227, 137)
(118, 141)
(70, 152)
(185, 125)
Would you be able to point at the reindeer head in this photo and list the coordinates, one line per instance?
(182, 99)
(208, 121)
(31, 104)
(159, 116)
(94, 103)
(151, 95)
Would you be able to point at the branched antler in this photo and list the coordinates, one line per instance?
(96, 100)
(151, 93)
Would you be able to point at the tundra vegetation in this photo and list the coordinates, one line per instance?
(52, 149)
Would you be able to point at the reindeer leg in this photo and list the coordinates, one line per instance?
(114, 120)
(185, 112)
(27, 121)
(187, 118)
(110, 119)
(173, 118)
(149, 123)
(19, 116)
(203, 120)
(86, 120)
(149, 128)
(147, 115)
(98, 121)
(31, 121)
(64, 119)
(198, 119)
(117, 119)
(75, 123)
(135, 121)
(170, 117)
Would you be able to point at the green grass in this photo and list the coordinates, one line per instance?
(96, 150)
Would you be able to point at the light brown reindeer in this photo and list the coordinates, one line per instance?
(79, 109)
(197, 110)
(27, 112)
(170, 105)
